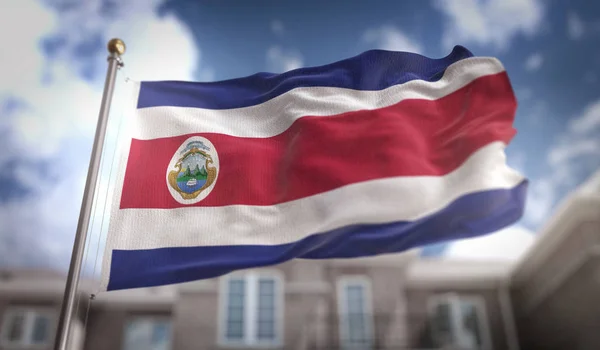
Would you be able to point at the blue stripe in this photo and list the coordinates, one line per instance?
(471, 215)
(371, 70)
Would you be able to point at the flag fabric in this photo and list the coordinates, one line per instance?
(375, 154)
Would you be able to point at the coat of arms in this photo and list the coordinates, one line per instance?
(193, 170)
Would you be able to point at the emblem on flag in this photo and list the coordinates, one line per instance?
(193, 170)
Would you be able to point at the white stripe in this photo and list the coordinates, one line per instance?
(376, 201)
(124, 143)
(276, 115)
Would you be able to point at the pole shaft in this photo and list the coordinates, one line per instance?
(66, 312)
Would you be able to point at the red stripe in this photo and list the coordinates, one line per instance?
(317, 154)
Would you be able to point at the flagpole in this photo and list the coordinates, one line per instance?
(116, 48)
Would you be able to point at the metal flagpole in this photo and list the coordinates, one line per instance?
(116, 47)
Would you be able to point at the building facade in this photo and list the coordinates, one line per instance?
(548, 300)
(556, 287)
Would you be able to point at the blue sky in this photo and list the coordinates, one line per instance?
(51, 82)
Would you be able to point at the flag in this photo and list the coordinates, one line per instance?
(374, 154)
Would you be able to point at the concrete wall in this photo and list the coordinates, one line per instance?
(529, 289)
(310, 308)
(48, 302)
(195, 319)
(418, 325)
(387, 302)
(105, 329)
(555, 288)
(196, 313)
(106, 323)
(570, 317)
(558, 307)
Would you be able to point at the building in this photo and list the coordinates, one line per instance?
(555, 287)
(548, 300)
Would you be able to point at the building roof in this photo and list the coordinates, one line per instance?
(591, 187)
(580, 205)
(455, 273)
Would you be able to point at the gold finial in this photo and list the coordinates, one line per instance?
(116, 46)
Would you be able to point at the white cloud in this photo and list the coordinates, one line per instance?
(42, 228)
(517, 162)
(508, 244)
(159, 49)
(63, 109)
(20, 59)
(589, 120)
(540, 198)
(390, 38)
(490, 22)
(68, 105)
(576, 149)
(573, 149)
(575, 26)
(580, 140)
(277, 28)
(58, 122)
(281, 60)
(534, 62)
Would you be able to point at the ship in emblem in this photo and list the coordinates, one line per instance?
(193, 170)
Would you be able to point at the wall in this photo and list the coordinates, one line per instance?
(311, 307)
(417, 300)
(559, 262)
(570, 318)
(47, 302)
(108, 315)
(196, 311)
(555, 287)
(387, 301)
(561, 312)
(195, 318)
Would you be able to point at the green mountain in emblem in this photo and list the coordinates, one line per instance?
(196, 173)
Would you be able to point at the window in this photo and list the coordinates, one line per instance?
(355, 315)
(147, 333)
(459, 321)
(252, 309)
(27, 326)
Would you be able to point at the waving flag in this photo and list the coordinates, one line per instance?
(378, 153)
